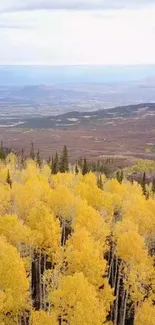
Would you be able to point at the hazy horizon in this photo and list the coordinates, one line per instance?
(44, 74)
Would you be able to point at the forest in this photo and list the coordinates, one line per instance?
(76, 247)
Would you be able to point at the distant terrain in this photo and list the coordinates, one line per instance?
(97, 111)
(123, 133)
(25, 105)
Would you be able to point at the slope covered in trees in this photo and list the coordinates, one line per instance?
(72, 253)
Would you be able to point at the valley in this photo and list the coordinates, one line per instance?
(125, 133)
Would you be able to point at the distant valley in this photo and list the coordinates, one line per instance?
(23, 105)
(96, 111)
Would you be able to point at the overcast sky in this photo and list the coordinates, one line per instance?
(77, 32)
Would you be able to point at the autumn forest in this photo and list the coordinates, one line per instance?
(76, 247)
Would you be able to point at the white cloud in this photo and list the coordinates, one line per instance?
(13, 5)
(78, 37)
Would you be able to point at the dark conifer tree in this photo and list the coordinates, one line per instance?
(64, 164)
(49, 160)
(143, 184)
(153, 185)
(2, 152)
(22, 158)
(121, 176)
(38, 159)
(2, 146)
(118, 176)
(55, 164)
(8, 179)
(93, 167)
(85, 168)
(80, 163)
(100, 182)
(32, 152)
(98, 166)
(76, 170)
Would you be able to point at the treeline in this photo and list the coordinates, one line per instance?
(61, 163)
(72, 253)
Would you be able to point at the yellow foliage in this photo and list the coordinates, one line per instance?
(13, 282)
(62, 202)
(43, 318)
(131, 247)
(76, 239)
(14, 230)
(76, 301)
(145, 314)
(45, 229)
(83, 254)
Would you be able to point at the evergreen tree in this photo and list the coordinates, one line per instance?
(80, 163)
(153, 185)
(93, 167)
(38, 159)
(22, 158)
(8, 179)
(2, 146)
(32, 152)
(143, 184)
(118, 176)
(55, 164)
(98, 166)
(64, 164)
(100, 182)
(121, 176)
(85, 169)
(49, 161)
(76, 170)
(2, 152)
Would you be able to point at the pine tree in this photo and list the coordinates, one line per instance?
(118, 176)
(121, 176)
(8, 179)
(85, 169)
(55, 164)
(76, 170)
(2, 152)
(49, 161)
(22, 158)
(32, 153)
(143, 184)
(64, 164)
(2, 146)
(100, 182)
(98, 166)
(153, 185)
(38, 159)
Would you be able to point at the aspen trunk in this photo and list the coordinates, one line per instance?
(125, 306)
(44, 287)
(40, 281)
(117, 295)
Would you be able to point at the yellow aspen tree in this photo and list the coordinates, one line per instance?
(76, 302)
(14, 284)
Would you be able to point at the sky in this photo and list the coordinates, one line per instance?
(68, 32)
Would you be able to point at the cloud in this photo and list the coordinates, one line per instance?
(54, 37)
(18, 5)
(64, 37)
(10, 25)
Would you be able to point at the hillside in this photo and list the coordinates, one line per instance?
(72, 251)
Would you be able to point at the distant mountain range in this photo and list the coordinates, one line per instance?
(34, 75)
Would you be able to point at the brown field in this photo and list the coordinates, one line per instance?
(123, 139)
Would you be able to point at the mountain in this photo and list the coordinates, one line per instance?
(32, 75)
